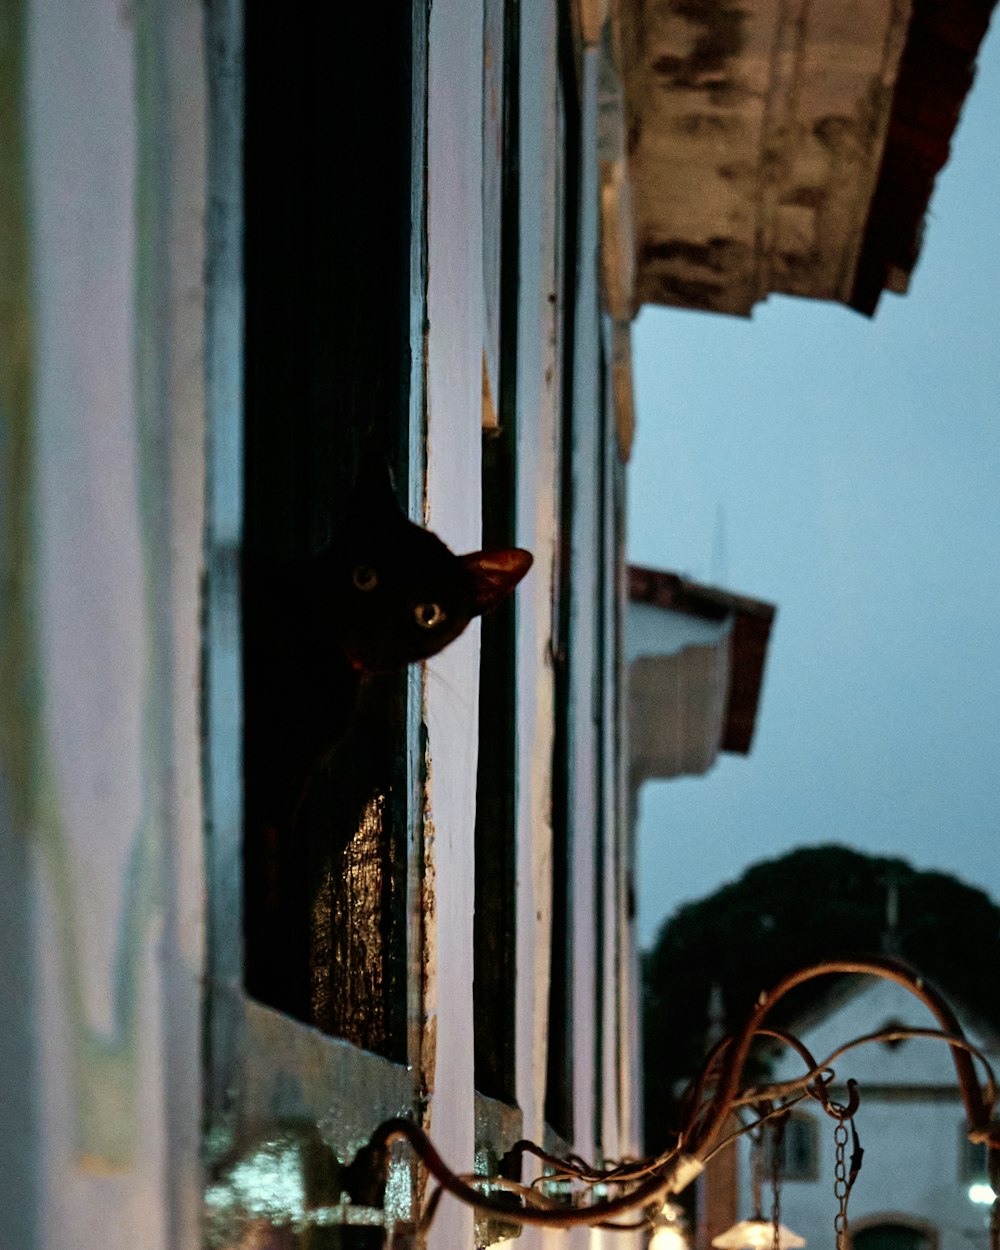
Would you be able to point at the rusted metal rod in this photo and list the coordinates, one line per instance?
(670, 1173)
(888, 969)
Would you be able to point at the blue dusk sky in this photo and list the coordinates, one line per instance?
(847, 470)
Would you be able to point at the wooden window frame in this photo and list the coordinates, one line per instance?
(266, 1071)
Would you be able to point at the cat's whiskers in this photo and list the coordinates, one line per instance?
(456, 695)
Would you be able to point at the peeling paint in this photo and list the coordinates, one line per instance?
(707, 125)
(690, 292)
(807, 197)
(720, 255)
(720, 38)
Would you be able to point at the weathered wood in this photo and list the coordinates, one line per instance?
(540, 387)
(455, 315)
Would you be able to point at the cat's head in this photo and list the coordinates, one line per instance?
(399, 595)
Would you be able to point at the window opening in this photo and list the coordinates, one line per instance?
(496, 786)
(799, 1148)
(559, 1076)
(327, 367)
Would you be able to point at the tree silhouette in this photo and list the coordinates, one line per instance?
(814, 903)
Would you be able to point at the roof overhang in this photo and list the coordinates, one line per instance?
(786, 147)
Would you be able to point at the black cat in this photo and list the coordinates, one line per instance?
(386, 593)
(395, 593)
(325, 641)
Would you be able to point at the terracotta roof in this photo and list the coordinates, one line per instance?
(935, 74)
(752, 620)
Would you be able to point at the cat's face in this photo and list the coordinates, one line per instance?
(399, 595)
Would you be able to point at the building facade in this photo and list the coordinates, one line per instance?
(243, 250)
(239, 248)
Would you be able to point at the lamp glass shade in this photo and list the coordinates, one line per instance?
(757, 1235)
(668, 1237)
(668, 1230)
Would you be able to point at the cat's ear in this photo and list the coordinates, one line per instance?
(494, 575)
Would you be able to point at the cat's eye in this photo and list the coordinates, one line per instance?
(428, 615)
(364, 577)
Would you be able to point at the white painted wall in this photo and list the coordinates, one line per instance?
(455, 311)
(659, 631)
(539, 398)
(114, 127)
(585, 641)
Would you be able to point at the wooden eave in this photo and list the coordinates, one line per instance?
(935, 74)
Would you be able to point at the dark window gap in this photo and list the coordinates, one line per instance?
(327, 204)
(494, 988)
(559, 1076)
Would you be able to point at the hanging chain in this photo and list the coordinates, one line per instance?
(840, 1186)
(777, 1161)
(756, 1171)
(844, 1176)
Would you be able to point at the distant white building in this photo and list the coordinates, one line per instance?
(913, 1190)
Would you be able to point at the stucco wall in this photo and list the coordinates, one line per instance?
(99, 773)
